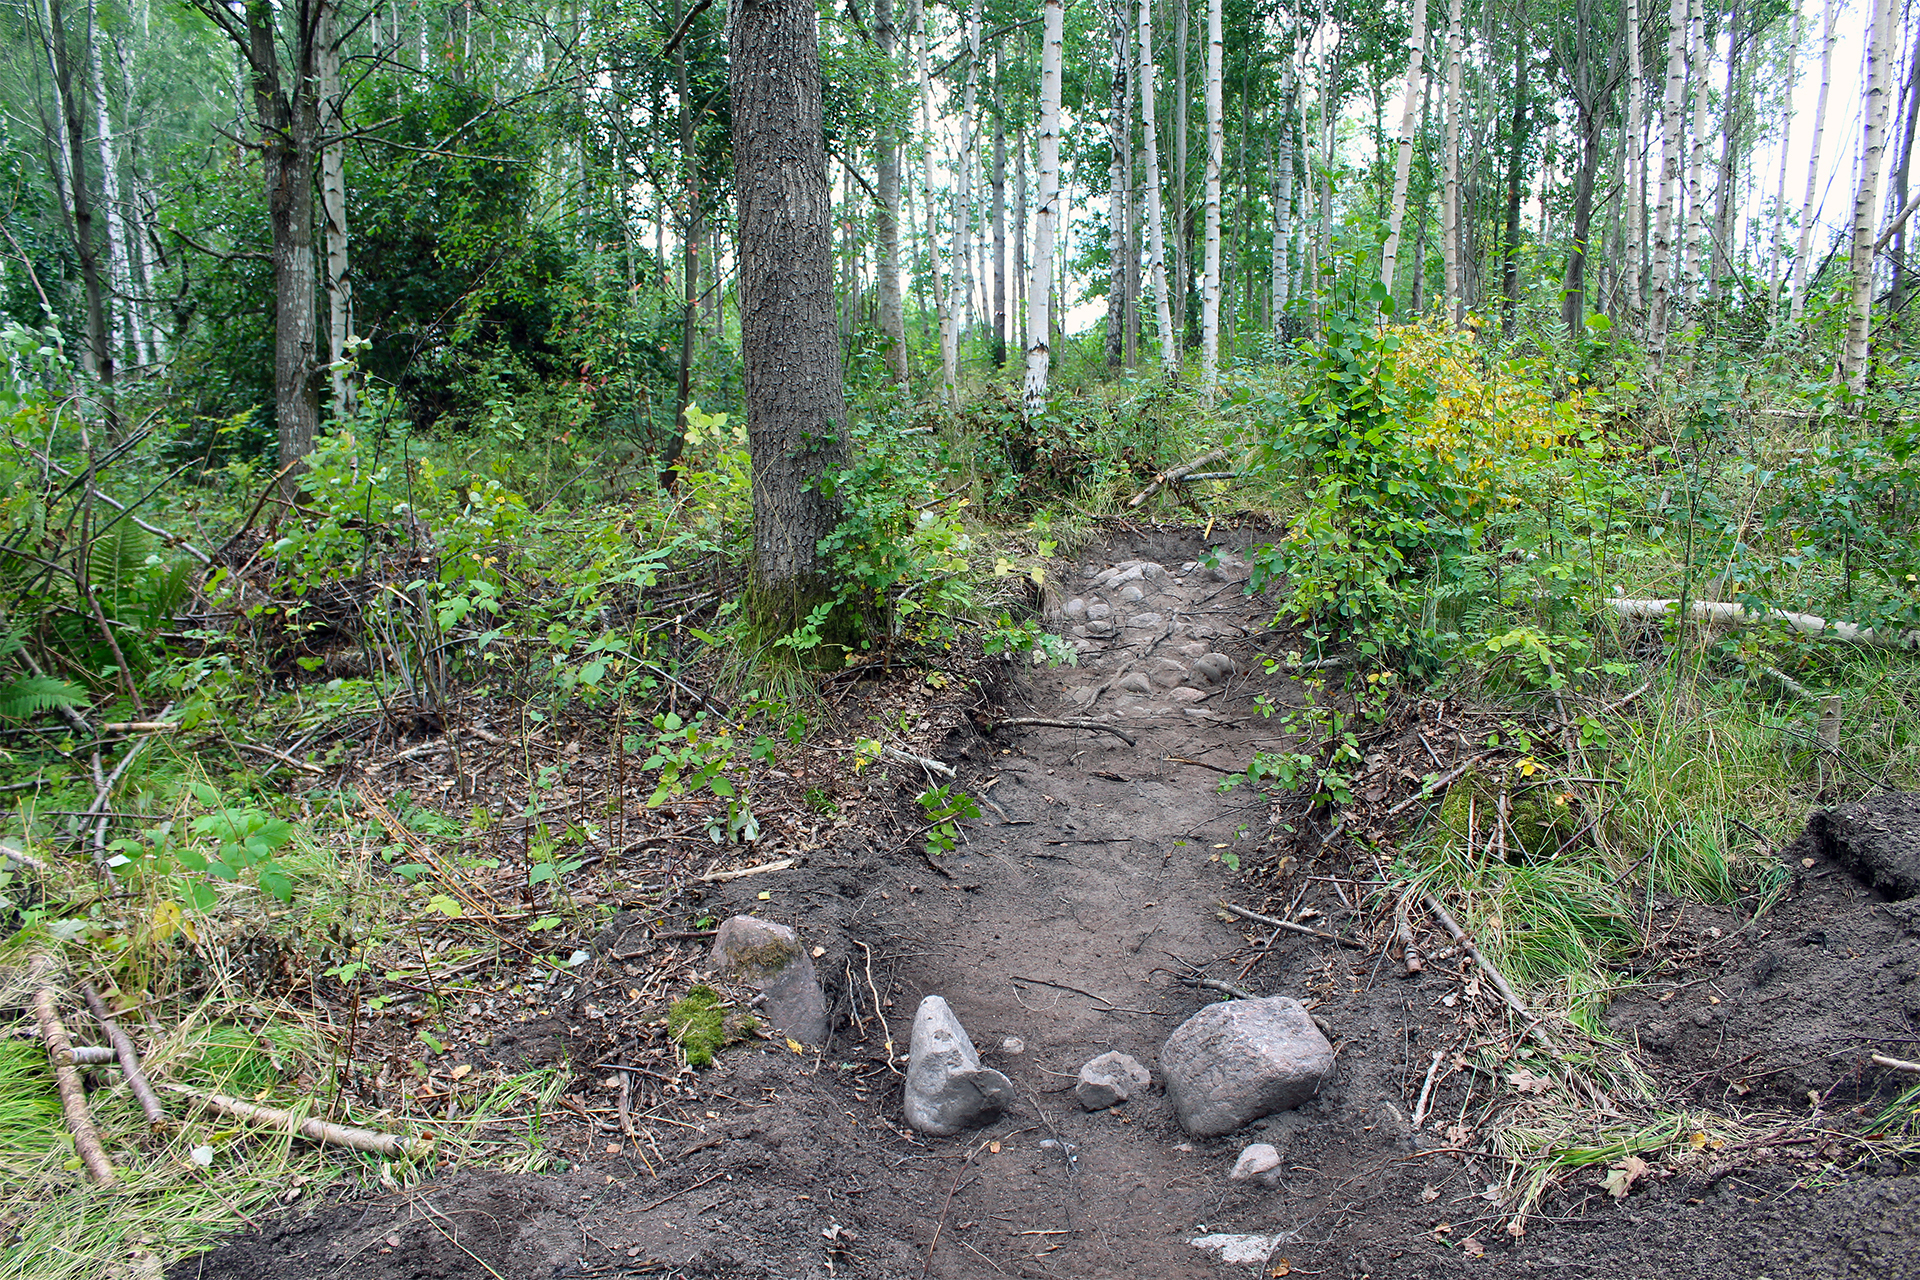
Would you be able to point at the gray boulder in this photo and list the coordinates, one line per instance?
(1110, 1079)
(769, 957)
(947, 1089)
(1236, 1061)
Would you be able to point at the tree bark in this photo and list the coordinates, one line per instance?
(80, 193)
(1216, 144)
(1634, 233)
(1403, 150)
(1516, 164)
(1038, 351)
(999, 220)
(1118, 132)
(1156, 232)
(1882, 49)
(1182, 216)
(1902, 166)
(1805, 244)
(942, 294)
(1450, 199)
(795, 395)
(1280, 264)
(1732, 118)
(333, 204)
(1671, 143)
(893, 324)
(1696, 222)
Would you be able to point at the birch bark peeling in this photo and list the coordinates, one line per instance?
(1403, 150)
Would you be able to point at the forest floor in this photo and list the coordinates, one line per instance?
(1068, 923)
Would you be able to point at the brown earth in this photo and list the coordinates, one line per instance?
(1064, 927)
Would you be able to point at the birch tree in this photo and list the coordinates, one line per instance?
(1774, 274)
(892, 315)
(1119, 131)
(918, 21)
(1882, 49)
(1450, 199)
(1636, 230)
(1671, 142)
(1216, 148)
(1280, 265)
(1696, 224)
(1156, 235)
(1827, 37)
(1403, 150)
(333, 207)
(1052, 40)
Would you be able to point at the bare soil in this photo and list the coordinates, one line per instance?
(1068, 924)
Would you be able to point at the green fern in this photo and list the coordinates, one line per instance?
(25, 696)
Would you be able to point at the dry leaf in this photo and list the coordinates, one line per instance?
(1281, 1267)
(1459, 1135)
(1442, 1229)
(1430, 1193)
(1696, 1140)
(1518, 1227)
(994, 1147)
(1527, 1082)
(460, 1071)
(1472, 1247)
(795, 1045)
(1624, 1175)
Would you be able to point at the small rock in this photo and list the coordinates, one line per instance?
(1147, 621)
(769, 957)
(1196, 649)
(1076, 608)
(1132, 594)
(947, 1088)
(1212, 669)
(1258, 1163)
(1188, 566)
(1154, 572)
(1238, 1060)
(1099, 611)
(1187, 694)
(1134, 682)
(1013, 1046)
(1098, 627)
(1131, 574)
(1109, 1079)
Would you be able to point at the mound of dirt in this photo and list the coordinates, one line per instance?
(1076, 919)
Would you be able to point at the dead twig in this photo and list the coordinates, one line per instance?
(1897, 1064)
(1498, 979)
(66, 1076)
(1047, 722)
(1288, 925)
(1426, 1090)
(947, 1206)
(1165, 478)
(1214, 984)
(128, 1055)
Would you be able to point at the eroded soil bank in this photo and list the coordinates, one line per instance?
(1069, 923)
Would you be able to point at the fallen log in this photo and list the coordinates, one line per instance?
(1739, 615)
(128, 1055)
(66, 1076)
(314, 1130)
(1166, 478)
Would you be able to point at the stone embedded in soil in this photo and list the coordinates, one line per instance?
(1258, 1163)
(947, 1089)
(769, 957)
(1109, 1080)
(1132, 593)
(1212, 669)
(1076, 609)
(1878, 840)
(1236, 1061)
(1099, 611)
(1135, 682)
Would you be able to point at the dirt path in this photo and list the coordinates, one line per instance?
(1058, 931)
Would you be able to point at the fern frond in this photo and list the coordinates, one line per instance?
(25, 696)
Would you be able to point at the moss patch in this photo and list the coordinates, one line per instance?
(700, 1024)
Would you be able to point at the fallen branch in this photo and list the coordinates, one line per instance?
(1047, 723)
(1788, 683)
(66, 1076)
(314, 1130)
(928, 763)
(1739, 615)
(1897, 1064)
(1498, 979)
(91, 1055)
(718, 877)
(281, 756)
(1426, 1090)
(128, 1055)
(1166, 478)
(1214, 984)
(1288, 925)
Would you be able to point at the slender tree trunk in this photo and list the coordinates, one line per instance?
(1732, 119)
(121, 328)
(694, 230)
(1038, 327)
(1450, 201)
(1902, 165)
(85, 244)
(1634, 233)
(1020, 235)
(893, 321)
(1182, 215)
(1696, 222)
(1216, 143)
(1671, 142)
(1156, 233)
(796, 406)
(1827, 38)
(1775, 247)
(333, 205)
(1882, 49)
(1117, 135)
(1403, 151)
(1281, 266)
(943, 304)
(999, 221)
(963, 274)
(1516, 164)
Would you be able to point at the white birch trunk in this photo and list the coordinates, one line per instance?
(963, 273)
(1805, 245)
(333, 208)
(917, 21)
(1052, 40)
(1216, 148)
(1281, 266)
(121, 328)
(1882, 49)
(1671, 142)
(1156, 233)
(1636, 231)
(1450, 199)
(1403, 151)
(1696, 224)
(1774, 273)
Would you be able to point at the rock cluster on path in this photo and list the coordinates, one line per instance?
(1236, 1061)
(769, 957)
(1110, 1079)
(948, 1091)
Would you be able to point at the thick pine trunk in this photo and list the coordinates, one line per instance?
(1156, 233)
(1403, 150)
(1039, 292)
(893, 323)
(796, 400)
(1216, 146)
